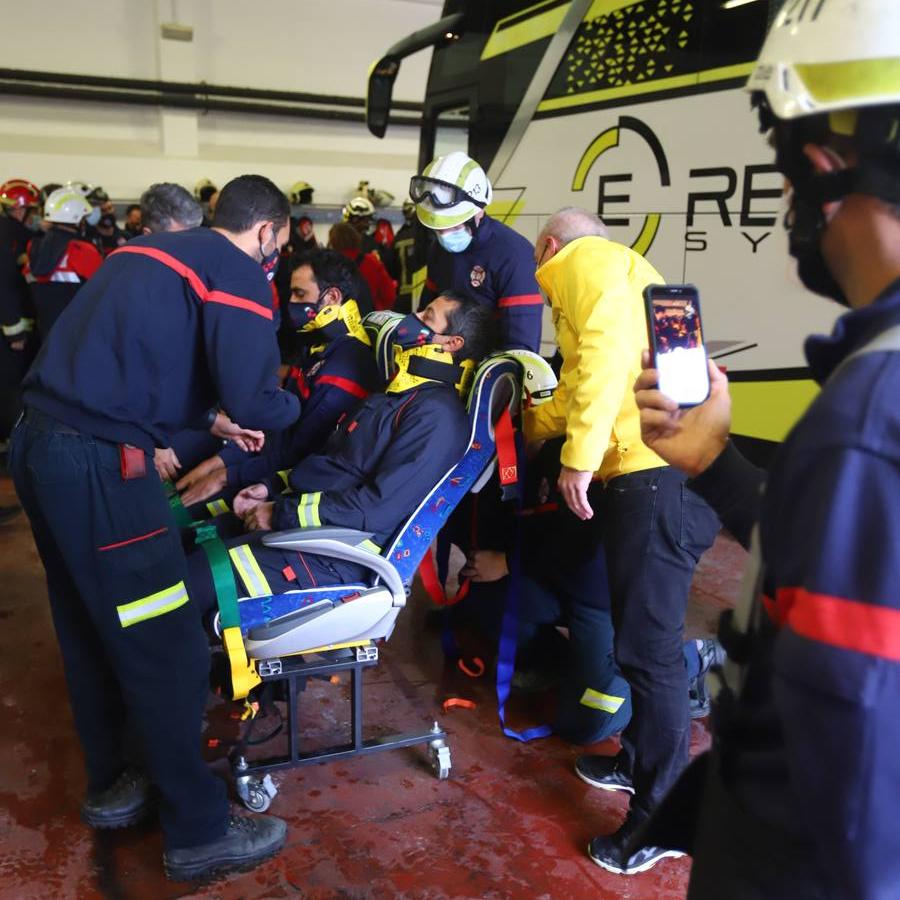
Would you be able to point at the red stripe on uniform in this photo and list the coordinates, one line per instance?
(196, 282)
(521, 300)
(431, 285)
(848, 624)
(345, 384)
(134, 540)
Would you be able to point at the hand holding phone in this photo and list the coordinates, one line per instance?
(675, 335)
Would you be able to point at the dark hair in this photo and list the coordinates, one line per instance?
(131, 208)
(167, 205)
(329, 269)
(343, 236)
(247, 201)
(474, 323)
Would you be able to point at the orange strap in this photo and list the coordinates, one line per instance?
(458, 702)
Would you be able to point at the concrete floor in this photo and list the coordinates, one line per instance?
(512, 821)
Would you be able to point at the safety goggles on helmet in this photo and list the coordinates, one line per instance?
(441, 194)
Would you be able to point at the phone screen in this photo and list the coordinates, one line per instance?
(676, 338)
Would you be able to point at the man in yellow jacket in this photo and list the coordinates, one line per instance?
(625, 501)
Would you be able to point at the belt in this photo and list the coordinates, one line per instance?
(40, 421)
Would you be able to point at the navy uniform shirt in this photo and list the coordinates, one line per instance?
(171, 325)
(496, 269)
(380, 463)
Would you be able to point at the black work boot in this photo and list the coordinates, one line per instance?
(247, 842)
(124, 803)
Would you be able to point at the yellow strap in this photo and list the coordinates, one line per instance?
(153, 605)
(248, 569)
(283, 475)
(597, 700)
(244, 676)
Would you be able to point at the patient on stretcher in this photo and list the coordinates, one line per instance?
(384, 457)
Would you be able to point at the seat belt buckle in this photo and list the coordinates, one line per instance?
(132, 462)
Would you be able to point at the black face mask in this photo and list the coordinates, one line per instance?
(411, 332)
(301, 314)
(107, 220)
(805, 225)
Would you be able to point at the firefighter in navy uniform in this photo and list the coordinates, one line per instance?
(333, 370)
(375, 469)
(800, 791)
(145, 350)
(62, 260)
(409, 245)
(475, 254)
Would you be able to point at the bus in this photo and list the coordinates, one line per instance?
(634, 109)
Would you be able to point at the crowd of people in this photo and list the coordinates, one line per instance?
(135, 383)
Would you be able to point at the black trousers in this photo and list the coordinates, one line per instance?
(132, 642)
(654, 530)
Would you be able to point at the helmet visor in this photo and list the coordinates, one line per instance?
(442, 194)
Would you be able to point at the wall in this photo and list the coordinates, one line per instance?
(298, 45)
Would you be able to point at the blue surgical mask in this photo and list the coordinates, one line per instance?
(455, 241)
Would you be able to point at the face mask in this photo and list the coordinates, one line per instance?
(269, 261)
(455, 241)
(807, 222)
(411, 332)
(108, 220)
(93, 217)
(300, 314)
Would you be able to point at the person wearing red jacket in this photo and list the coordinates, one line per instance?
(375, 281)
(61, 261)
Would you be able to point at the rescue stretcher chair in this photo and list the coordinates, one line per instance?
(320, 632)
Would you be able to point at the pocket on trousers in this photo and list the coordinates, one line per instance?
(699, 524)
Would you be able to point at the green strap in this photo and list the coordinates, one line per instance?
(213, 546)
(182, 516)
(222, 573)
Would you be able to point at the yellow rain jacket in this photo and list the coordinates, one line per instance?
(596, 288)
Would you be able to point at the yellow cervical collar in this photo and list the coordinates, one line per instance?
(458, 374)
(330, 319)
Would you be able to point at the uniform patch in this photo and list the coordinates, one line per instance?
(477, 276)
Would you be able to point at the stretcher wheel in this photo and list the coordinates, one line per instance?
(439, 756)
(257, 800)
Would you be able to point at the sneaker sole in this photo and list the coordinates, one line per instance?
(621, 788)
(214, 869)
(666, 854)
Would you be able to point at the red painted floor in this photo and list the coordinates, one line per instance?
(512, 820)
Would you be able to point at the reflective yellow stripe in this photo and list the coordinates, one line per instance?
(20, 327)
(308, 510)
(248, 568)
(217, 507)
(153, 605)
(596, 700)
(371, 546)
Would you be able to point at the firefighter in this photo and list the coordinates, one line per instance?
(149, 346)
(474, 253)
(62, 260)
(799, 792)
(409, 245)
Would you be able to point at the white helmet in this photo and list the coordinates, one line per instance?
(67, 206)
(820, 57)
(451, 190)
(358, 208)
(538, 378)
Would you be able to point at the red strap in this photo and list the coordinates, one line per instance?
(345, 384)
(196, 283)
(459, 703)
(476, 670)
(434, 588)
(504, 436)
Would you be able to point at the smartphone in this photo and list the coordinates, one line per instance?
(676, 342)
